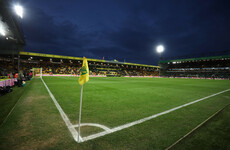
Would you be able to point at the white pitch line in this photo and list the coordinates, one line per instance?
(147, 118)
(64, 116)
(93, 124)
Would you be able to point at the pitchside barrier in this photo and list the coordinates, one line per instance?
(7, 82)
(70, 75)
(195, 78)
(141, 76)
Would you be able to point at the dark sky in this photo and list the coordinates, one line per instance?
(126, 29)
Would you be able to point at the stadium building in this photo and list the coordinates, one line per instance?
(201, 67)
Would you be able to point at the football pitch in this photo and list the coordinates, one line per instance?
(117, 113)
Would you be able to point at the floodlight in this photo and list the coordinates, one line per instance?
(160, 48)
(19, 10)
(2, 31)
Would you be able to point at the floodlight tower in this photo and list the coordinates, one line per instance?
(19, 11)
(160, 49)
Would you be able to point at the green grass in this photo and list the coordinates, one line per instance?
(36, 123)
(8, 101)
(127, 99)
(213, 135)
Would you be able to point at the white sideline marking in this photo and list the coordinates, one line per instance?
(146, 119)
(93, 124)
(64, 116)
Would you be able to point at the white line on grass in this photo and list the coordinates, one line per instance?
(146, 119)
(63, 115)
(93, 124)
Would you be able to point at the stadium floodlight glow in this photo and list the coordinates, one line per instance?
(160, 48)
(19, 10)
(2, 31)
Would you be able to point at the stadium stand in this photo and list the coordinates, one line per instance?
(57, 64)
(202, 67)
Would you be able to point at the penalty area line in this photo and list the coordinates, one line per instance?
(90, 137)
(64, 116)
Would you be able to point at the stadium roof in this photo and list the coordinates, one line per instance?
(197, 59)
(13, 40)
(80, 58)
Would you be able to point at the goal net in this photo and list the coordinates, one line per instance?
(37, 72)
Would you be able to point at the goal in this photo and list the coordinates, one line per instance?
(37, 72)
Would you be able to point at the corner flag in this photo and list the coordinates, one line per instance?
(84, 77)
(84, 74)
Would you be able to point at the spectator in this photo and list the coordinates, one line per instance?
(20, 78)
(30, 74)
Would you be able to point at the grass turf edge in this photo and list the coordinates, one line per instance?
(9, 101)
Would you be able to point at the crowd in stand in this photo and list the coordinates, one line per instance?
(48, 67)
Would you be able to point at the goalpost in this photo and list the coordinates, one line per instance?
(37, 72)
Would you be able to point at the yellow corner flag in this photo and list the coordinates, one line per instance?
(84, 74)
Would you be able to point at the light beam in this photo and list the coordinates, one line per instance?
(2, 31)
(19, 10)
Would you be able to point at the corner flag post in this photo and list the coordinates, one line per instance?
(79, 123)
(84, 77)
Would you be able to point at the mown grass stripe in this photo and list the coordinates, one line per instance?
(147, 118)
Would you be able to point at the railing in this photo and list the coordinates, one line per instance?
(8, 82)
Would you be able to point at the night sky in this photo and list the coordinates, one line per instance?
(126, 29)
